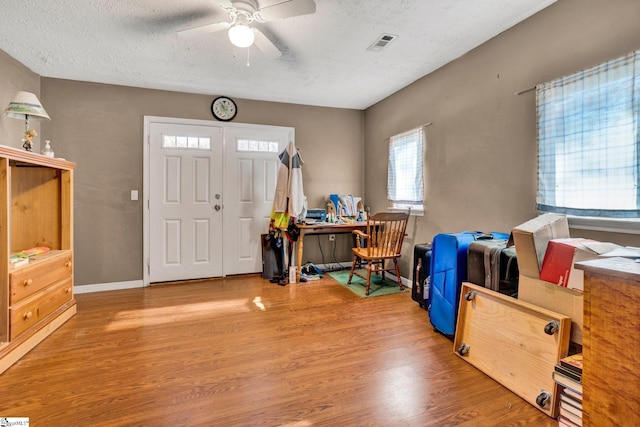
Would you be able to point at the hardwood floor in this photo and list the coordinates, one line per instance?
(245, 352)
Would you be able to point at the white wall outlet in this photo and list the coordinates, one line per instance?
(134, 194)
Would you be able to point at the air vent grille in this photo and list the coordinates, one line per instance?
(382, 42)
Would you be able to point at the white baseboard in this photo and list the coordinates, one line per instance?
(101, 287)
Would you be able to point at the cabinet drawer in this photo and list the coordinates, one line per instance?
(32, 310)
(39, 274)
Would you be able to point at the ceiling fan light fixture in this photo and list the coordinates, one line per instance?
(241, 35)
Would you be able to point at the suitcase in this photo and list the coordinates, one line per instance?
(448, 271)
(493, 264)
(421, 268)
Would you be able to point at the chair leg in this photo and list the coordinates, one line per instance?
(369, 268)
(400, 285)
(353, 268)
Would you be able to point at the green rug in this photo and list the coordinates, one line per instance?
(378, 286)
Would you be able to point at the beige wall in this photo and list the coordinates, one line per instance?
(15, 77)
(100, 127)
(481, 147)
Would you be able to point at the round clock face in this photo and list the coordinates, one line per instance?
(224, 108)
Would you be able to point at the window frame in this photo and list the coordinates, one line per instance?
(417, 208)
(624, 220)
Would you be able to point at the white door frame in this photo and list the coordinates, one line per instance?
(146, 170)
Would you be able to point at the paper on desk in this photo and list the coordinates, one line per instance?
(601, 248)
(625, 252)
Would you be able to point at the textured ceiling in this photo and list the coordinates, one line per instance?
(325, 59)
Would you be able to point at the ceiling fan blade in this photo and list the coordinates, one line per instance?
(204, 29)
(265, 45)
(287, 9)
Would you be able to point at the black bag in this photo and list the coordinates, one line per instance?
(272, 255)
(421, 268)
(292, 231)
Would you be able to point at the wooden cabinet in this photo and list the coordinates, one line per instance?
(36, 210)
(611, 343)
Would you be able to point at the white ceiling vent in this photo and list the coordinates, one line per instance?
(382, 42)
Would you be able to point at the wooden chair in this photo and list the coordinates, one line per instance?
(381, 242)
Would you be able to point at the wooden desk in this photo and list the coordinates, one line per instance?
(610, 373)
(323, 228)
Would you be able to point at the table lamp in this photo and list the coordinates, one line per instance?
(24, 106)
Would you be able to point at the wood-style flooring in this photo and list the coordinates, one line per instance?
(242, 351)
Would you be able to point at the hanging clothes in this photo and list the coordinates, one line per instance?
(289, 197)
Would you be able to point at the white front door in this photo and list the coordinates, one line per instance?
(251, 162)
(208, 204)
(185, 201)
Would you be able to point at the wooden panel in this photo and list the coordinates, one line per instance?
(66, 210)
(506, 339)
(32, 310)
(40, 273)
(35, 207)
(5, 206)
(610, 377)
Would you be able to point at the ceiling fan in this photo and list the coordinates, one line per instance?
(242, 13)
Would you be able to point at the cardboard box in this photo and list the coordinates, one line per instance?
(532, 237)
(559, 258)
(555, 298)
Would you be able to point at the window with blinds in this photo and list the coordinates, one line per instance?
(405, 182)
(589, 141)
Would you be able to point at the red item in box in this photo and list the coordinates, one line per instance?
(559, 258)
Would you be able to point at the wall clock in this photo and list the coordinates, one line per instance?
(224, 108)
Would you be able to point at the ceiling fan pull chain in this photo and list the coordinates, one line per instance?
(248, 62)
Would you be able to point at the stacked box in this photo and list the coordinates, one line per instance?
(531, 240)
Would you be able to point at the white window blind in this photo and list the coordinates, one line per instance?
(588, 141)
(405, 182)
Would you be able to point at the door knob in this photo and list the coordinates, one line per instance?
(217, 207)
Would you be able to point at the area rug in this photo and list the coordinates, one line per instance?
(378, 286)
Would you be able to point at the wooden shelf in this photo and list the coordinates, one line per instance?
(36, 209)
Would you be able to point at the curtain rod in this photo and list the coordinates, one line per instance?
(424, 125)
(525, 91)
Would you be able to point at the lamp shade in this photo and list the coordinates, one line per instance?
(241, 35)
(26, 105)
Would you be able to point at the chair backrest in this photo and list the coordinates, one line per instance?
(387, 230)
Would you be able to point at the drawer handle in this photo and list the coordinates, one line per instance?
(67, 290)
(28, 315)
(28, 282)
(67, 264)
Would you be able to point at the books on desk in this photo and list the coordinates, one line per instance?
(346, 205)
